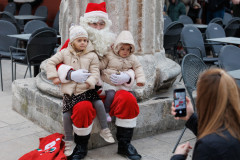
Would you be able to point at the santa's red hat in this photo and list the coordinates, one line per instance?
(96, 10)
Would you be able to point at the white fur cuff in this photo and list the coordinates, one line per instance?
(62, 72)
(132, 75)
(128, 123)
(82, 131)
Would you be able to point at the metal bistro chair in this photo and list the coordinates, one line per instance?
(167, 21)
(25, 9)
(172, 37)
(232, 28)
(42, 11)
(34, 25)
(214, 30)
(226, 18)
(11, 8)
(229, 57)
(217, 20)
(9, 17)
(6, 28)
(192, 66)
(184, 19)
(192, 41)
(40, 46)
(56, 22)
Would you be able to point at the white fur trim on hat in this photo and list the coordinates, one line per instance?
(77, 32)
(82, 131)
(96, 14)
(86, 20)
(62, 73)
(127, 123)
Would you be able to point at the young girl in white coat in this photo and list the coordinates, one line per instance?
(81, 56)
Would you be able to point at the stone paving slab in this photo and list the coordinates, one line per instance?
(150, 148)
(7, 75)
(15, 148)
(10, 117)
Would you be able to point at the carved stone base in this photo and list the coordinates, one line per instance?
(46, 111)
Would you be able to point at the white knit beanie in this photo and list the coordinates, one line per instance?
(77, 32)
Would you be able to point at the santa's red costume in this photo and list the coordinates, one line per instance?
(124, 106)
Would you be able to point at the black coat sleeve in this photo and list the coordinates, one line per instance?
(192, 124)
(178, 157)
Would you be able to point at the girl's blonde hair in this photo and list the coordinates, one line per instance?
(218, 104)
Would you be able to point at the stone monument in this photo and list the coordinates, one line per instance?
(39, 100)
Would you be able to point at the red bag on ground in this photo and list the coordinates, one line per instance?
(50, 148)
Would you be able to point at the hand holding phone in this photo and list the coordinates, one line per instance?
(179, 96)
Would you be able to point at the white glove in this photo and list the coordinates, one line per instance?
(119, 79)
(80, 75)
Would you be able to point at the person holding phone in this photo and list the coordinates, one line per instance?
(217, 121)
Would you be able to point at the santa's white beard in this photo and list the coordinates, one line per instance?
(101, 39)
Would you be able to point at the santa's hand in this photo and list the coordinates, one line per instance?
(56, 81)
(119, 79)
(80, 75)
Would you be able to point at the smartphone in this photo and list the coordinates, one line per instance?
(179, 96)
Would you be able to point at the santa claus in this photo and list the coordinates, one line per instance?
(124, 107)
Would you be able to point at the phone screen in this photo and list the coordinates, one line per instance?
(180, 102)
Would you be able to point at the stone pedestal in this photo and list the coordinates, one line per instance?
(46, 111)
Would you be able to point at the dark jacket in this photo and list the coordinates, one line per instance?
(236, 10)
(214, 5)
(176, 9)
(212, 146)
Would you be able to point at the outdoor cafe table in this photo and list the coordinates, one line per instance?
(231, 40)
(28, 17)
(25, 37)
(199, 26)
(235, 73)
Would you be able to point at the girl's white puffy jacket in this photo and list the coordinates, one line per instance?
(87, 59)
(113, 63)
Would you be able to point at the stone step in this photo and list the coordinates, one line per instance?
(46, 111)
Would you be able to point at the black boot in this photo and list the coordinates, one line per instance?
(81, 149)
(124, 136)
